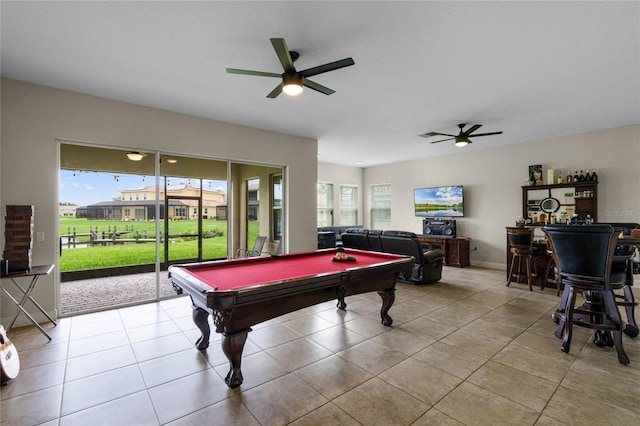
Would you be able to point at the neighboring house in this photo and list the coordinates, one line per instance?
(67, 210)
(140, 204)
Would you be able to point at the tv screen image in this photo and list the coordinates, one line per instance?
(439, 201)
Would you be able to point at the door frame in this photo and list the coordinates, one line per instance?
(198, 235)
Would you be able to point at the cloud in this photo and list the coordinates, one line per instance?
(87, 186)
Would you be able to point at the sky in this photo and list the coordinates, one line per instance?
(85, 188)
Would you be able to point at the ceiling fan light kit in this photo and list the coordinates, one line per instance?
(462, 142)
(292, 84)
(293, 81)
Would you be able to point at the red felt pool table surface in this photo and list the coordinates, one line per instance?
(231, 275)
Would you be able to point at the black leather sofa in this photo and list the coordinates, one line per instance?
(331, 236)
(428, 264)
(357, 238)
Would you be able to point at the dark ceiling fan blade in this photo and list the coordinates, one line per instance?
(318, 87)
(275, 92)
(430, 134)
(443, 140)
(472, 129)
(486, 134)
(284, 56)
(347, 62)
(249, 72)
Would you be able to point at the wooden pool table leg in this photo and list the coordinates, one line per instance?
(388, 297)
(232, 346)
(200, 319)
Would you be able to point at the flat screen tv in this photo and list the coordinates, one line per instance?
(440, 201)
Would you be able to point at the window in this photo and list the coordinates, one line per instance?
(276, 207)
(137, 197)
(348, 207)
(325, 204)
(381, 206)
(253, 199)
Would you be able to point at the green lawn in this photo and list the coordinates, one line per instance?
(69, 225)
(214, 245)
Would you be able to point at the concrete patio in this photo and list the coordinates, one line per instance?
(101, 293)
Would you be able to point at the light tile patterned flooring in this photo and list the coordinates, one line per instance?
(464, 351)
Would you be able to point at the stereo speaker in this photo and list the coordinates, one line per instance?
(439, 227)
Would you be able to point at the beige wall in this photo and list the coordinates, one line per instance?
(337, 174)
(33, 117)
(493, 178)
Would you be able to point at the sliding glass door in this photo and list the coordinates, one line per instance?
(125, 216)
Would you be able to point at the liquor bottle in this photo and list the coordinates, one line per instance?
(594, 176)
(581, 177)
(587, 177)
(576, 177)
(559, 180)
(569, 177)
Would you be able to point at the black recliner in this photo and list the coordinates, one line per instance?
(428, 265)
(356, 238)
(326, 240)
(373, 236)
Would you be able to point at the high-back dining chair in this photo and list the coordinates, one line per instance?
(623, 263)
(623, 257)
(551, 272)
(584, 255)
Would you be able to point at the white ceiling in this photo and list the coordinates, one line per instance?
(534, 70)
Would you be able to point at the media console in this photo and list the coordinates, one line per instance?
(455, 249)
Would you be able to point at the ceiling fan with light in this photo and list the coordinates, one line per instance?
(461, 138)
(292, 80)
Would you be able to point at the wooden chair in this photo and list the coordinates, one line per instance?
(523, 256)
(584, 256)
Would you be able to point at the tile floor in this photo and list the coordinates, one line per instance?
(464, 351)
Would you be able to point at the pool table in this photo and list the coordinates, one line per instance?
(240, 293)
